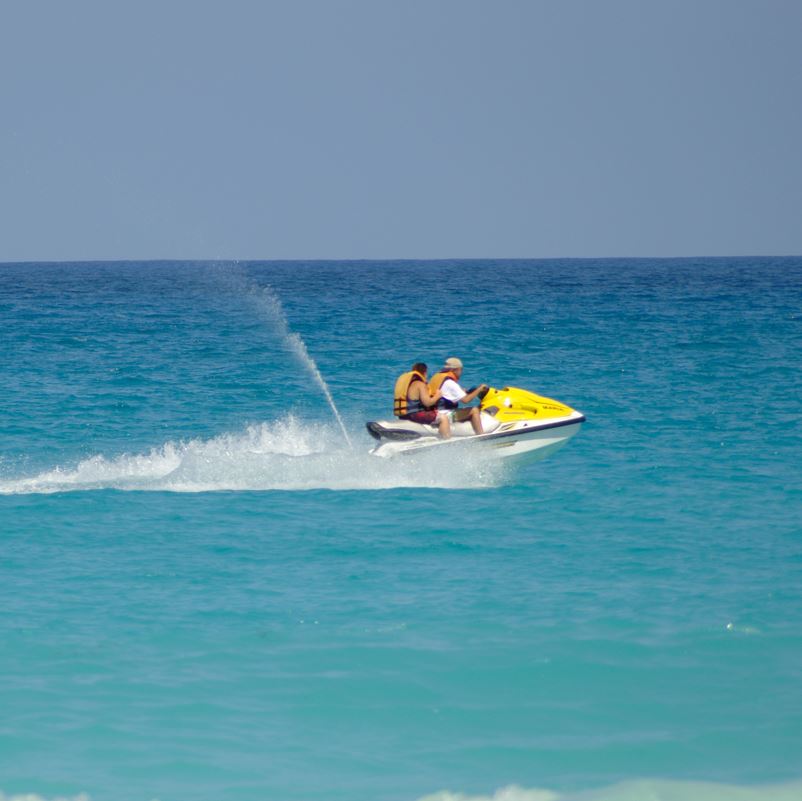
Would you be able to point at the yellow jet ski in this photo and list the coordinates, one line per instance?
(515, 423)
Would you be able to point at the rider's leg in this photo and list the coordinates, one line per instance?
(476, 420)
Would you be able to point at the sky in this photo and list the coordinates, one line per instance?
(411, 129)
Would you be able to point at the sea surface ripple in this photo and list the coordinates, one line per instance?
(207, 593)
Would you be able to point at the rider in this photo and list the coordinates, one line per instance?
(446, 384)
(414, 401)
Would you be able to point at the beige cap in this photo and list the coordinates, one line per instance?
(453, 363)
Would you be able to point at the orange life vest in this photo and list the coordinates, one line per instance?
(437, 381)
(402, 405)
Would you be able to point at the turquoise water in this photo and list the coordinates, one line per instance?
(206, 594)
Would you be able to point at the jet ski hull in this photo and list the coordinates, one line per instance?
(525, 440)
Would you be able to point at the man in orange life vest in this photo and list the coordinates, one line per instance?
(413, 401)
(445, 383)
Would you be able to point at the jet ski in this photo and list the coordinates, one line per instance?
(515, 423)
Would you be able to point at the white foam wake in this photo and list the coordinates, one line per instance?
(34, 797)
(284, 455)
(642, 790)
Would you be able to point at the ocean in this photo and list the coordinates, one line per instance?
(209, 590)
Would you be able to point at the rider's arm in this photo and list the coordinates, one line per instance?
(429, 400)
(469, 396)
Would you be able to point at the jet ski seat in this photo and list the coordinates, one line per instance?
(378, 431)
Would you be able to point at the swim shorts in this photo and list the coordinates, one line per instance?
(427, 416)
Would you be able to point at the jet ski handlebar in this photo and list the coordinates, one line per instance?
(482, 394)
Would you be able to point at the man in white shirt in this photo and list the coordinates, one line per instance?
(452, 394)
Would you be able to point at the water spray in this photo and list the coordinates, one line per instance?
(271, 303)
(299, 347)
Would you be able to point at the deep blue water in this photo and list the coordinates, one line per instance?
(205, 594)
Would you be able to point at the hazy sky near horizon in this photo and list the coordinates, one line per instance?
(343, 129)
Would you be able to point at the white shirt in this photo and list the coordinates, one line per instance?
(452, 391)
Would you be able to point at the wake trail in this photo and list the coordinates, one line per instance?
(281, 455)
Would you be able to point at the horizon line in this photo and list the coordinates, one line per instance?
(385, 259)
